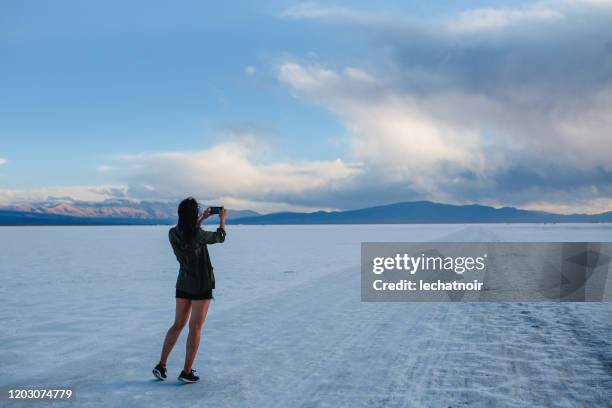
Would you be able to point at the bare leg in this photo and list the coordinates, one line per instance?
(183, 306)
(198, 315)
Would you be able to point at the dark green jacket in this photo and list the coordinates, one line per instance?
(196, 271)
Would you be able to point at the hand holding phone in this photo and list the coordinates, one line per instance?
(216, 210)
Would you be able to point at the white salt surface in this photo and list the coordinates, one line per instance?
(87, 308)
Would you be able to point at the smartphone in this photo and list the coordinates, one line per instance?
(215, 210)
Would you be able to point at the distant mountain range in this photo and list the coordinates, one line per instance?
(108, 212)
(126, 212)
(422, 212)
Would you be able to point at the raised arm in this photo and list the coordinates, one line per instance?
(218, 236)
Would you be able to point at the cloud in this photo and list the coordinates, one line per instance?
(391, 133)
(594, 206)
(228, 172)
(3, 161)
(308, 10)
(395, 135)
(341, 15)
(81, 192)
(250, 70)
(104, 168)
(600, 4)
(504, 106)
(491, 18)
(264, 207)
(481, 19)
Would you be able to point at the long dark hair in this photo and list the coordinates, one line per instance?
(188, 217)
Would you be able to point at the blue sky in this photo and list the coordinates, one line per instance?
(304, 105)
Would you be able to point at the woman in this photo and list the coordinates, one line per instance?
(194, 284)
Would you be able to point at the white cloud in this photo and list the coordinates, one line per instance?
(591, 206)
(266, 207)
(307, 10)
(104, 168)
(227, 170)
(359, 75)
(227, 173)
(494, 18)
(3, 161)
(474, 20)
(393, 134)
(335, 13)
(83, 193)
(250, 70)
(600, 4)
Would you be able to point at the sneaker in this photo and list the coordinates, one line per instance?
(188, 377)
(160, 372)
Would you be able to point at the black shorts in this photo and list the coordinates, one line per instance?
(191, 296)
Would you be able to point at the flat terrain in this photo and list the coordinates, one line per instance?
(87, 307)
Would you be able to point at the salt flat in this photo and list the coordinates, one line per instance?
(87, 307)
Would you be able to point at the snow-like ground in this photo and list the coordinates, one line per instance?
(87, 307)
